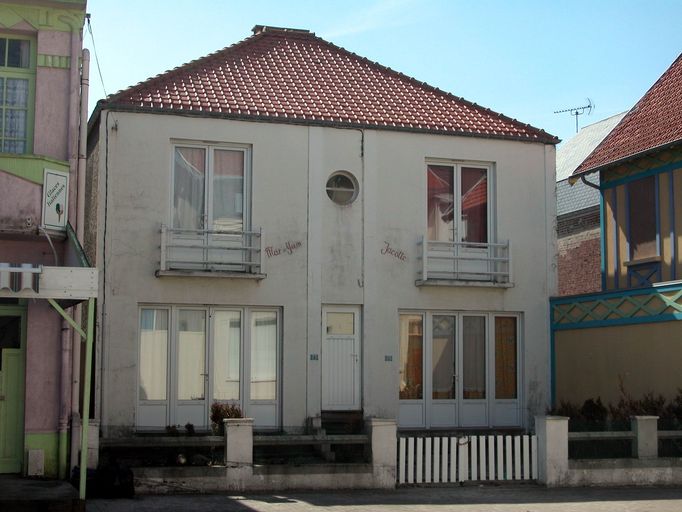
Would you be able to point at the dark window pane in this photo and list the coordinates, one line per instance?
(18, 53)
(642, 218)
(3, 51)
(10, 334)
(474, 205)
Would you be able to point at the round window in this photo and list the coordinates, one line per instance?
(342, 188)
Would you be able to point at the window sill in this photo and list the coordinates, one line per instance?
(471, 284)
(642, 261)
(202, 273)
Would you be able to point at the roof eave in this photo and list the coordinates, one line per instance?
(603, 167)
(103, 105)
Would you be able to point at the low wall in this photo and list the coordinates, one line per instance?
(240, 474)
(556, 470)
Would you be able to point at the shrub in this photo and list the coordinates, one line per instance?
(221, 411)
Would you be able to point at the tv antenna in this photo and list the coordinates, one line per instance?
(578, 111)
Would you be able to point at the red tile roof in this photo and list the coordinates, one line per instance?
(285, 75)
(654, 122)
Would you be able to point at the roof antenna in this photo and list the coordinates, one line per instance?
(578, 111)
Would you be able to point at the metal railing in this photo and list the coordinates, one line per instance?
(205, 250)
(465, 261)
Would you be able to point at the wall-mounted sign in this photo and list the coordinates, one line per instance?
(55, 199)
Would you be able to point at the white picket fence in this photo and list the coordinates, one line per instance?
(435, 460)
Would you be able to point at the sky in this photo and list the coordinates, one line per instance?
(525, 59)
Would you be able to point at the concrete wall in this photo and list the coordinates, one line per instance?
(340, 260)
(644, 357)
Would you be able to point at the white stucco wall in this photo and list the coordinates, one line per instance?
(340, 260)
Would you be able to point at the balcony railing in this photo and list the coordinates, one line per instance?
(484, 264)
(202, 251)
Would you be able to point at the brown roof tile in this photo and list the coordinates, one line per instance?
(293, 75)
(654, 122)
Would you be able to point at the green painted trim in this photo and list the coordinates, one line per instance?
(67, 317)
(42, 18)
(54, 61)
(63, 455)
(30, 167)
(49, 443)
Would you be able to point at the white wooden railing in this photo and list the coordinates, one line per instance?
(433, 460)
(211, 250)
(465, 261)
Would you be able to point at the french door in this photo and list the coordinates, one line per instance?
(210, 206)
(459, 370)
(191, 357)
(458, 218)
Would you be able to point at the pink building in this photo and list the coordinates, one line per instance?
(44, 273)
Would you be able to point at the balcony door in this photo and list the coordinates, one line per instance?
(458, 220)
(209, 210)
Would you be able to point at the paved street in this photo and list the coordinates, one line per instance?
(518, 498)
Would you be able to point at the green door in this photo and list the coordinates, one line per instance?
(12, 335)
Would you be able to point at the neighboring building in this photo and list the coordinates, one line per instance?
(628, 335)
(288, 226)
(578, 212)
(40, 257)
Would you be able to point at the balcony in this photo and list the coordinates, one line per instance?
(465, 264)
(215, 253)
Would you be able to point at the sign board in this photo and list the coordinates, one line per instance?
(55, 199)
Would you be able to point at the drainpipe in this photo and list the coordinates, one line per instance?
(64, 400)
(80, 232)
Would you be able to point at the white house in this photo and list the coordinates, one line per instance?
(291, 227)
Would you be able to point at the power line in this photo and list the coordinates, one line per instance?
(94, 49)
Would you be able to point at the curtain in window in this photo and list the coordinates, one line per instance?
(15, 115)
(440, 203)
(263, 355)
(505, 358)
(228, 190)
(189, 172)
(191, 354)
(473, 357)
(226, 355)
(153, 354)
(443, 358)
(411, 357)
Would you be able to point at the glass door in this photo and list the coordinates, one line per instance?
(473, 226)
(444, 372)
(190, 374)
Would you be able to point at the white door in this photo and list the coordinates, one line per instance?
(341, 361)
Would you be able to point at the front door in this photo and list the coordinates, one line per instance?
(341, 361)
(12, 332)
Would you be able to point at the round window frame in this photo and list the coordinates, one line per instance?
(354, 182)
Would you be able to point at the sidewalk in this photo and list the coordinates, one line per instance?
(516, 498)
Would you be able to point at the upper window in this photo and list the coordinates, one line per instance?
(642, 218)
(210, 188)
(342, 188)
(17, 74)
(458, 203)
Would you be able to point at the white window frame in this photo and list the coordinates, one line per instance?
(208, 184)
(248, 406)
(457, 166)
(427, 366)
